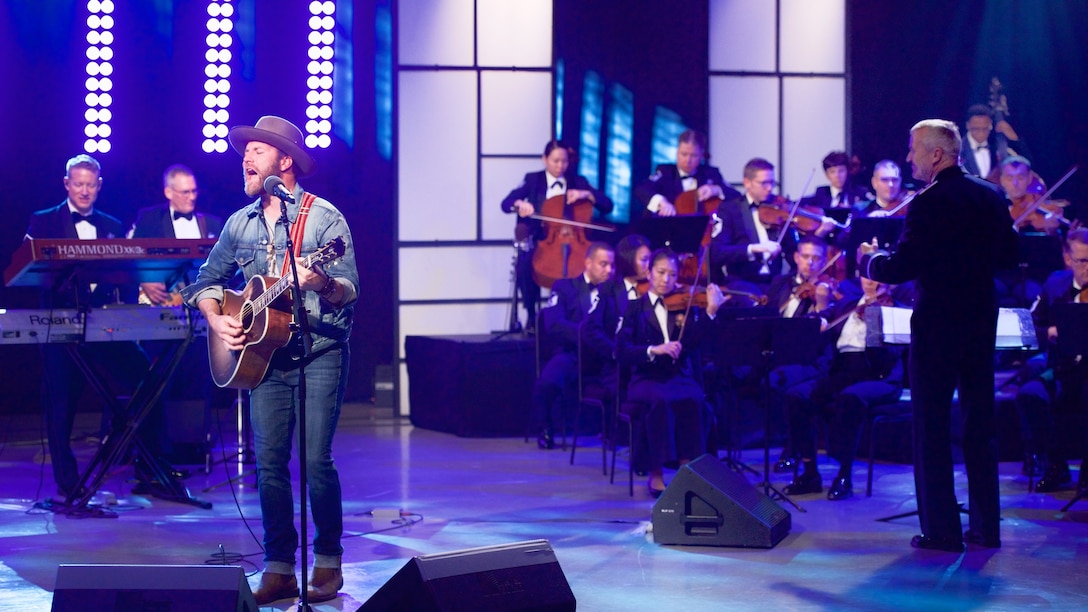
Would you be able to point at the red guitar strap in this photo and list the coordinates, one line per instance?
(298, 228)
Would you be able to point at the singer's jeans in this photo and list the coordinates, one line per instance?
(274, 410)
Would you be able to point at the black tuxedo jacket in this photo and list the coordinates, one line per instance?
(157, 222)
(56, 222)
(666, 182)
(967, 156)
(568, 314)
(822, 198)
(730, 246)
(885, 362)
(1058, 289)
(534, 188)
(957, 235)
(640, 330)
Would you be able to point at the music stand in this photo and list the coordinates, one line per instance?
(1072, 347)
(770, 341)
(681, 234)
(886, 230)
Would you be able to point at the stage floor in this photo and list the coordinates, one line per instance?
(477, 492)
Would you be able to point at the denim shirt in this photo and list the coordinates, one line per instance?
(243, 245)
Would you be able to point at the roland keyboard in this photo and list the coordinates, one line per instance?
(115, 323)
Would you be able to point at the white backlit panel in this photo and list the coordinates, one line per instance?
(743, 122)
(498, 178)
(516, 112)
(449, 319)
(742, 35)
(452, 273)
(813, 125)
(434, 32)
(436, 162)
(514, 33)
(813, 36)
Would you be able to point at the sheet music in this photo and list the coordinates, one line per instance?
(1015, 329)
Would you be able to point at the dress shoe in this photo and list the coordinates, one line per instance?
(325, 583)
(786, 465)
(841, 488)
(1056, 478)
(807, 482)
(275, 587)
(950, 544)
(545, 439)
(976, 537)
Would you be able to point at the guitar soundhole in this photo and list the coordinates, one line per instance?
(247, 316)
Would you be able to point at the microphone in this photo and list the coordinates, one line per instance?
(273, 185)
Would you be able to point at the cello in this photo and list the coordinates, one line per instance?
(560, 253)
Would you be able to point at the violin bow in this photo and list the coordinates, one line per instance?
(1043, 198)
(782, 233)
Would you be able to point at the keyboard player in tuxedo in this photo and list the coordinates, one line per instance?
(121, 364)
(177, 218)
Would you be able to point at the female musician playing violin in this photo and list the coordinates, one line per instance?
(659, 347)
(526, 200)
(633, 264)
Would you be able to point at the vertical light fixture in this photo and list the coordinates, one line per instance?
(320, 68)
(217, 75)
(99, 76)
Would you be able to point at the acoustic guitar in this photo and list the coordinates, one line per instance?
(264, 309)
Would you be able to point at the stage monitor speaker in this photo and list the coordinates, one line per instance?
(708, 504)
(519, 576)
(169, 588)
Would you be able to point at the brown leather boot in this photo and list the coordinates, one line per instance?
(325, 583)
(275, 587)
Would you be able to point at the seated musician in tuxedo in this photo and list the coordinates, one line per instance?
(1055, 390)
(803, 293)
(177, 218)
(837, 193)
(851, 377)
(661, 348)
(887, 190)
(1016, 181)
(119, 364)
(558, 178)
(633, 264)
(744, 250)
(573, 300)
(658, 193)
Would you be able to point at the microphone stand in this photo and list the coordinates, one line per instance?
(301, 330)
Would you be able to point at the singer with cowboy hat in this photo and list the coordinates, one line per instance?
(254, 240)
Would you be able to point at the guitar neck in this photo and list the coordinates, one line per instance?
(277, 288)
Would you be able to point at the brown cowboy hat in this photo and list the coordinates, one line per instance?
(279, 133)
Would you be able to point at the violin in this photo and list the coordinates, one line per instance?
(683, 296)
(882, 299)
(776, 213)
(1026, 212)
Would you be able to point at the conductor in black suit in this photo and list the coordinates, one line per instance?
(177, 218)
(957, 235)
(62, 383)
(658, 193)
(526, 200)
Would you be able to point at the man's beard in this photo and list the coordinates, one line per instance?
(254, 184)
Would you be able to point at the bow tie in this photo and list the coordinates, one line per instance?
(686, 176)
(76, 218)
(981, 147)
(180, 215)
(557, 184)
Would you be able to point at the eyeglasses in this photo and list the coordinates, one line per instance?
(1079, 262)
(186, 192)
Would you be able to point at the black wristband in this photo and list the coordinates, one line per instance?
(328, 289)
